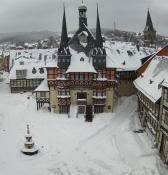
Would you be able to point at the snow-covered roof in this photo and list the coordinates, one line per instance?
(51, 64)
(80, 63)
(124, 56)
(149, 83)
(43, 87)
(43, 55)
(28, 66)
(29, 59)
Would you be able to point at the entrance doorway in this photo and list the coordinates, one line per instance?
(81, 109)
(81, 102)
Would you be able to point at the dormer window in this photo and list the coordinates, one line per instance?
(34, 70)
(41, 71)
(151, 81)
(21, 62)
(118, 51)
(129, 53)
(124, 63)
(82, 59)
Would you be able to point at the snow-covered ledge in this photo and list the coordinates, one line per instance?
(100, 97)
(63, 96)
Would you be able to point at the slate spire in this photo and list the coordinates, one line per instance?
(99, 40)
(64, 35)
(149, 25)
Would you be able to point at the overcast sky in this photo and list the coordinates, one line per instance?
(35, 15)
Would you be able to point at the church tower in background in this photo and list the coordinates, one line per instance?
(149, 32)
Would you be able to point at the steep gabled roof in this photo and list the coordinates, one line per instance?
(64, 35)
(149, 83)
(80, 62)
(149, 25)
(99, 40)
(34, 58)
(43, 87)
(124, 56)
(162, 52)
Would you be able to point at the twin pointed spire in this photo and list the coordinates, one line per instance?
(99, 40)
(149, 25)
(64, 34)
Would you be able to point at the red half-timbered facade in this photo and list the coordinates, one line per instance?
(81, 77)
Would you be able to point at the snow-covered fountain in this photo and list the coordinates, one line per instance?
(29, 146)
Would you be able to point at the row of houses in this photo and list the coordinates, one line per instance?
(27, 68)
(30, 67)
(82, 84)
(87, 71)
(152, 92)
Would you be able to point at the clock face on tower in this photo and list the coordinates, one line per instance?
(83, 38)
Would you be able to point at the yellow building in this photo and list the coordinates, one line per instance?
(80, 76)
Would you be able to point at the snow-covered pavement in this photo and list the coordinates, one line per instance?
(107, 146)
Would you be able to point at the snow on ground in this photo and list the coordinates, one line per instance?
(106, 146)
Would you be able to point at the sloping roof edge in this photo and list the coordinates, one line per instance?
(145, 93)
(152, 56)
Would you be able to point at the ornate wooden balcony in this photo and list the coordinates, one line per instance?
(43, 100)
(99, 97)
(64, 96)
(82, 83)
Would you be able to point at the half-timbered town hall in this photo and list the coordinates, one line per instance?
(80, 77)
